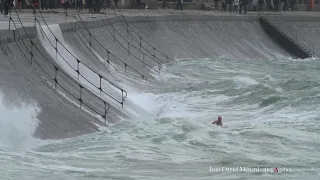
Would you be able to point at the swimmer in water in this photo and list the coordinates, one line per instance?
(218, 122)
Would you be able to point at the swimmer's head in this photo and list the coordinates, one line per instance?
(219, 118)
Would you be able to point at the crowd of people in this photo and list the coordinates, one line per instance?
(236, 6)
(91, 5)
(94, 6)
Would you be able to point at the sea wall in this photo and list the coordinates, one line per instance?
(283, 39)
(179, 36)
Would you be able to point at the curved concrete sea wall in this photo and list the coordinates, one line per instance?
(304, 29)
(22, 81)
(30, 73)
(283, 39)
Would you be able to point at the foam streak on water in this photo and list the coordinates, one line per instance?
(270, 108)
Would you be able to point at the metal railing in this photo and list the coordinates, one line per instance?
(109, 55)
(55, 79)
(77, 70)
(93, 37)
(143, 40)
(139, 48)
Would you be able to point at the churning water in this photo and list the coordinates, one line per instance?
(269, 107)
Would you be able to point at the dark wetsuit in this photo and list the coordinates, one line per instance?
(218, 122)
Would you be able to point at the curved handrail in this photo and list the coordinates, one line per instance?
(129, 43)
(154, 48)
(89, 48)
(107, 105)
(78, 62)
(90, 34)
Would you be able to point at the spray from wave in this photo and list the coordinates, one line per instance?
(18, 122)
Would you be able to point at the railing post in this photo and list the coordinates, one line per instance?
(10, 21)
(144, 64)
(90, 39)
(80, 98)
(122, 97)
(78, 70)
(128, 48)
(56, 47)
(108, 59)
(55, 77)
(100, 88)
(114, 37)
(105, 111)
(313, 49)
(127, 30)
(35, 16)
(31, 54)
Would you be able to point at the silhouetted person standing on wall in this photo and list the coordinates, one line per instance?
(35, 4)
(163, 4)
(179, 4)
(216, 4)
(19, 4)
(79, 5)
(244, 6)
(116, 3)
(89, 5)
(229, 3)
(223, 5)
(44, 4)
(66, 6)
(282, 5)
(108, 4)
(261, 3)
(97, 6)
(7, 4)
(1, 6)
(276, 5)
(235, 6)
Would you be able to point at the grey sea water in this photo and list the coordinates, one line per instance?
(269, 109)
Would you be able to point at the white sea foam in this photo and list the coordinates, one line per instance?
(18, 124)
